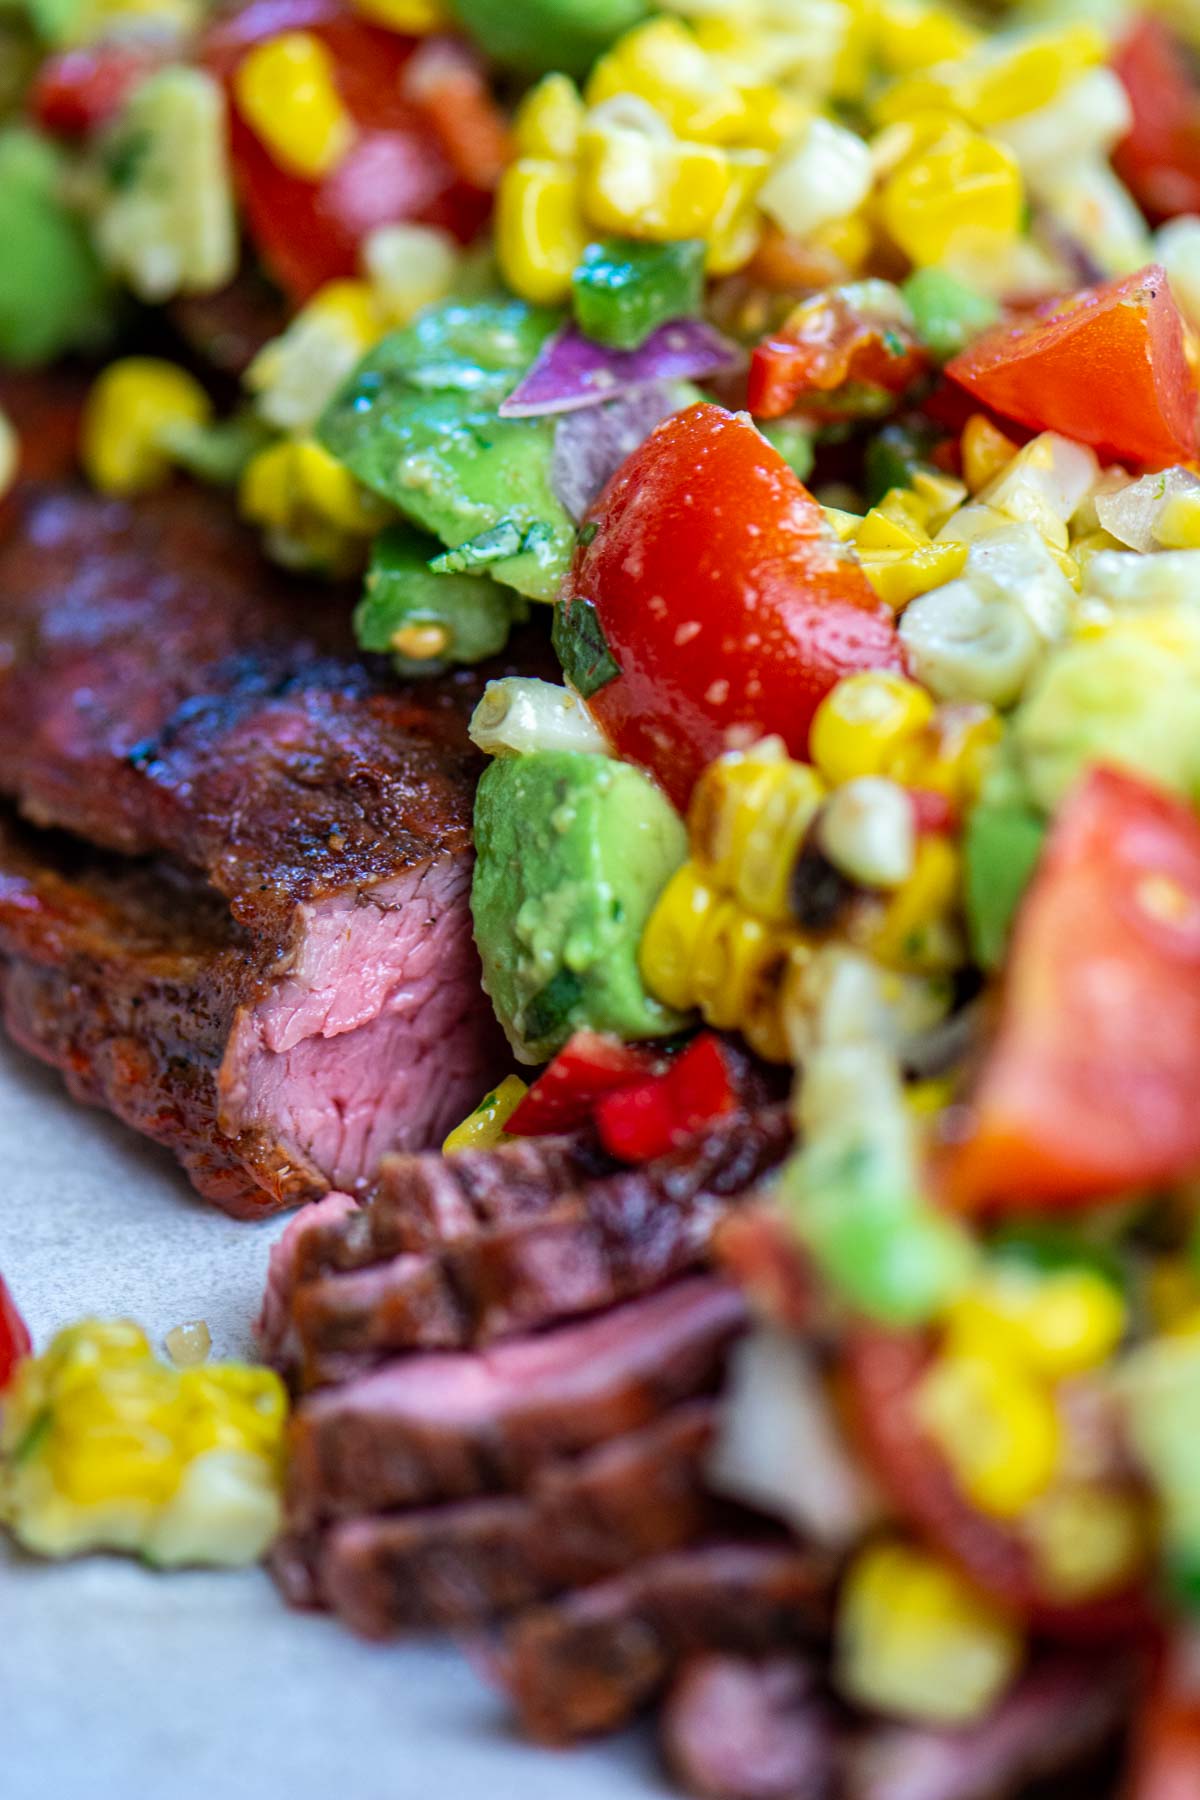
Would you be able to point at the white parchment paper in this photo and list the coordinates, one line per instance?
(119, 1684)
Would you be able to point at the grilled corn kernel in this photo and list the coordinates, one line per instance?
(104, 1447)
(1057, 1324)
(915, 930)
(287, 92)
(915, 1639)
(735, 231)
(963, 188)
(1002, 79)
(997, 1426)
(899, 576)
(483, 1129)
(747, 819)
(662, 63)
(411, 16)
(1086, 1540)
(862, 723)
(986, 452)
(635, 184)
(549, 120)
(130, 409)
(867, 830)
(951, 753)
(408, 267)
(539, 234)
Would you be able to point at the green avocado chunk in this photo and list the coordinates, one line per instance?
(538, 36)
(417, 423)
(403, 592)
(53, 296)
(1002, 844)
(572, 851)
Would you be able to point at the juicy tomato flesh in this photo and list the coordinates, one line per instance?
(882, 1371)
(1159, 158)
(1090, 1086)
(1166, 1738)
(1106, 367)
(649, 1119)
(77, 91)
(14, 1337)
(723, 597)
(397, 169)
(826, 346)
(589, 1065)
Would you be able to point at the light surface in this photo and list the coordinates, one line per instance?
(120, 1684)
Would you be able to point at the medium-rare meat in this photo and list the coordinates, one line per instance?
(733, 1729)
(573, 1242)
(587, 1662)
(443, 1426)
(165, 695)
(467, 1561)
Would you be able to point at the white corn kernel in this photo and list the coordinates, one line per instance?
(520, 714)
(966, 647)
(867, 830)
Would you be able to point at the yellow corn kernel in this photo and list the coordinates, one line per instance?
(986, 452)
(417, 17)
(937, 496)
(926, 1099)
(661, 189)
(286, 91)
(350, 305)
(773, 117)
(898, 576)
(862, 722)
(914, 931)
(915, 1639)
(483, 1129)
(1056, 1324)
(130, 411)
(1178, 524)
(735, 231)
(1172, 1291)
(997, 1426)
(748, 817)
(662, 63)
(843, 524)
(893, 525)
(961, 189)
(912, 35)
(911, 136)
(1003, 79)
(549, 120)
(295, 488)
(329, 488)
(1086, 1539)
(409, 266)
(850, 240)
(539, 234)
(951, 754)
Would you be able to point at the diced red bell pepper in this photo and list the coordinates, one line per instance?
(589, 1065)
(14, 1336)
(1091, 1086)
(639, 1123)
(1159, 158)
(77, 91)
(1107, 366)
(933, 813)
(825, 346)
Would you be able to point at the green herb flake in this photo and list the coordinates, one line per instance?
(582, 648)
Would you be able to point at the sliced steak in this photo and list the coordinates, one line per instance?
(434, 1427)
(587, 1662)
(166, 695)
(606, 1239)
(465, 1562)
(733, 1729)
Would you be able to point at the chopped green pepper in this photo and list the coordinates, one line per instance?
(946, 312)
(623, 291)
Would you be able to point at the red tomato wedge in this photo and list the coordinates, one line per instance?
(589, 1065)
(14, 1336)
(399, 167)
(722, 594)
(1159, 158)
(1166, 1739)
(882, 1370)
(1106, 366)
(1092, 1084)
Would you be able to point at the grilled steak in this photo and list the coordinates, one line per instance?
(739, 1730)
(165, 695)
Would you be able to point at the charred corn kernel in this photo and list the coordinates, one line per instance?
(911, 35)
(662, 63)
(914, 931)
(408, 266)
(867, 830)
(997, 1426)
(483, 1129)
(549, 120)
(287, 93)
(1178, 524)
(748, 817)
(915, 1639)
(10, 453)
(862, 723)
(414, 16)
(661, 188)
(898, 576)
(539, 234)
(1086, 1540)
(104, 1447)
(951, 753)
(734, 234)
(986, 452)
(964, 187)
(1057, 1324)
(188, 1345)
(130, 409)
(1002, 79)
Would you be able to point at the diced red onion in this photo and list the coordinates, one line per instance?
(591, 444)
(573, 372)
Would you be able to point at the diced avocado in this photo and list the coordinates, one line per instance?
(947, 313)
(623, 291)
(572, 851)
(53, 296)
(403, 596)
(538, 36)
(417, 424)
(1001, 847)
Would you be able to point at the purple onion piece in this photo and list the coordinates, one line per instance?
(572, 372)
(590, 445)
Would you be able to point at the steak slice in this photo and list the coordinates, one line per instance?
(465, 1562)
(587, 1662)
(164, 694)
(446, 1426)
(605, 1239)
(733, 1729)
